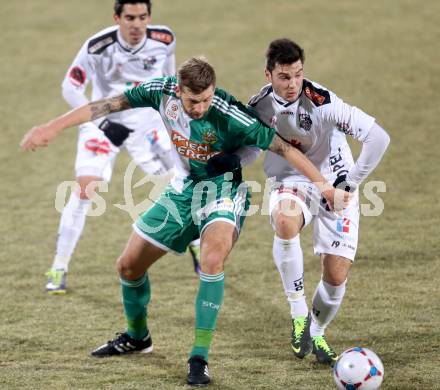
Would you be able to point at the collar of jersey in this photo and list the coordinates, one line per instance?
(284, 102)
(127, 47)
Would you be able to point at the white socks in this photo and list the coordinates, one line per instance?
(326, 302)
(288, 257)
(71, 226)
(196, 242)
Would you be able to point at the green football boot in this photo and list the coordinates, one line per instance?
(301, 341)
(56, 281)
(323, 352)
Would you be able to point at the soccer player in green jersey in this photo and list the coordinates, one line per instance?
(203, 121)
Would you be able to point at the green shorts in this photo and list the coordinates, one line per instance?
(177, 218)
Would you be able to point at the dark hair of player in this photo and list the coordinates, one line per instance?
(282, 52)
(119, 5)
(196, 75)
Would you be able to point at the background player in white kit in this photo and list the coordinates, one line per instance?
(114, 60)
(316, 121)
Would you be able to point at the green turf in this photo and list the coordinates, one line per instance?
(382, 56)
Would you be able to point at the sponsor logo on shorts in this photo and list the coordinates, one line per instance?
(343, 225)
(190, 149)
(292, 191)
(153, 136)
(304, 194)
(221, 206)
(348, 246)
(96, 146)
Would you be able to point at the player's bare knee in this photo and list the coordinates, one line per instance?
(286, 227)
(335, 269)
(83, 195)
(335, 280)
(82, 191)
(213, 260)
(336, 276)
(120, 267)
(125, 269)
(87, 186)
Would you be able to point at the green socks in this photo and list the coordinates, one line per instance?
(135, 297)
(208, 302)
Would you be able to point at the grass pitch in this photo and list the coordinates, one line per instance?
(380, 56)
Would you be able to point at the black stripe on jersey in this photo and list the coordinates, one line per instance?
(317, 95)
(263, 93)
(99, 44)
(287, 104)
(161, 35)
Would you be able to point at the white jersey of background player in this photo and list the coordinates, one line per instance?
(316, 121)
(113, 60)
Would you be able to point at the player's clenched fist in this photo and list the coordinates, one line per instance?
(336, 199)
(342, 199)
(39, 136)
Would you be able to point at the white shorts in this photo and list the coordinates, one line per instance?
(148, 146)
(333, 234)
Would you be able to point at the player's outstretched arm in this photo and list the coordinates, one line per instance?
(298, 160)
(40, 136)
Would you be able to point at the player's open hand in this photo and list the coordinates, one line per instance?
(38, 136)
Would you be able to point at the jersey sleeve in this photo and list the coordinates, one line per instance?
(147, 94)
(77, 77)
(169, 67)
(373, 148)
(347, 119)
(247, 129)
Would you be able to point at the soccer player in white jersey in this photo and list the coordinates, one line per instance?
(316, 121)
(204, 122)
(114, 60)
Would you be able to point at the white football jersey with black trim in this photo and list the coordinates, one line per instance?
(113, 67)
(317, 123)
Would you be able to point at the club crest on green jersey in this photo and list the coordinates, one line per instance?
(209, 136)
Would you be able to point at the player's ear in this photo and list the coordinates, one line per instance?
(268, 75)
(116, 18)
(177, 90)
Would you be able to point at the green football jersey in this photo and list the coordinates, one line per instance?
(227, 126)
